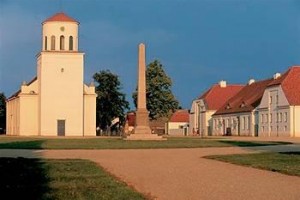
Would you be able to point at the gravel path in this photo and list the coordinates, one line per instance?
(182, 174)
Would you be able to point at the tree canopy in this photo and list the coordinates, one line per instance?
(160, 100)
(2, 111)
(111, 102)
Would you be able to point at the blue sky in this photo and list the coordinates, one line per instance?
(199, 42)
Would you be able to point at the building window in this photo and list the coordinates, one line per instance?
(271, 128)
(248, 123)
(62, 42)
(71, 43)
(267, 118)
(271, 99)
(277, 99)
(280, 117)
(52, 42)
(285, 116)
(271, 117)
(45, 43)
(277, 117)
(262, 118)
(285, 128)
(263, 129)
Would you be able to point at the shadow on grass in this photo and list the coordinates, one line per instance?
(253, 143)
(33, 144)
(296, 153)
(23, 178)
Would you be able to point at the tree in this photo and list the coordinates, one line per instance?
(111, 103)
(2, 112)
(160, 99)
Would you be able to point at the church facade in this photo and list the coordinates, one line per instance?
(56, 102)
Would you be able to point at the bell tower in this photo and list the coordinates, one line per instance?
(60, 33)
(60, 68)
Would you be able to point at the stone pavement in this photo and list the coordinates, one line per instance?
(182, 174)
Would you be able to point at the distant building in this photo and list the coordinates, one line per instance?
(238, 116)
(178, 123)
(207, 104)
(279, 110)
(56, 102)
(269, 107)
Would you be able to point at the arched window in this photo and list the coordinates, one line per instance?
(52, 42)
(62, 42)
(71, 43)
(45, 43)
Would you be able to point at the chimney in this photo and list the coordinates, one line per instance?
(276, 76)
(222, 84)
(251, 81)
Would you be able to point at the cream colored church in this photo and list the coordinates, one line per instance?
(56, 102)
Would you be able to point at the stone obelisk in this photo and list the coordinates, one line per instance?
(142, 119)
(142, 130)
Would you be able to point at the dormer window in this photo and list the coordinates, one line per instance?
(228, 107)
(243, 105)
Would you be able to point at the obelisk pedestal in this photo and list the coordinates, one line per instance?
(142, 130)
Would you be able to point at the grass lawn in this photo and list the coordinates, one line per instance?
(286, 163)
(118, 143)
(60, 179)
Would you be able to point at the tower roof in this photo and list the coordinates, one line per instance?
(60, 17)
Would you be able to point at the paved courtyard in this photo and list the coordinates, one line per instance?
(182, 174)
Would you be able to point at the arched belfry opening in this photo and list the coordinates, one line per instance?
(71, 43)
(46, 48)
(62, 42)
(52, 42)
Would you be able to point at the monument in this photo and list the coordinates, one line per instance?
(142, 130)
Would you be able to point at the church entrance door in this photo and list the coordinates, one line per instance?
(61, 127)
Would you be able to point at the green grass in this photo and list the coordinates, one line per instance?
(118, 143)
(286, 163)
(60, 179)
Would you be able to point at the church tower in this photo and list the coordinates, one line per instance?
(60, 68)
(56, 102)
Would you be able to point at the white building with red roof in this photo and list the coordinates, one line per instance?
(238, 115)
(178, 123)
(207, 104)
(56, 102)
(279, 110)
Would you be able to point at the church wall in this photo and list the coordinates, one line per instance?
(13, 117)
(61, 90)
(28, 115)
(90, 115)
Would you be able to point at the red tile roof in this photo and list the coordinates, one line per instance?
(60, 17)
(290, 83)
(245, 100)
(216, 96)
(180, 116)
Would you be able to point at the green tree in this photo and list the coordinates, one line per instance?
(160, 100)
(111, 103)
(2, 112)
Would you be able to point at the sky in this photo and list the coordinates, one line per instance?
(199, 42)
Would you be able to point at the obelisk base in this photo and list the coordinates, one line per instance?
(142, 130)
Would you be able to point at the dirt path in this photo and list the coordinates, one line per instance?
(182, 174)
